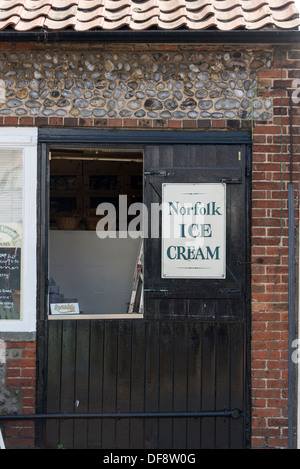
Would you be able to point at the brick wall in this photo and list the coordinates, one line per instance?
(17, 392)
(271, 150)
(271, 174)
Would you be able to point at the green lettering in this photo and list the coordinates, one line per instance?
(171, 205)
(199, 253)
(182, 230)
(169, 252)
(180, 252)
(213, 254)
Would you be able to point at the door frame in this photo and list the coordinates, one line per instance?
(49, 138)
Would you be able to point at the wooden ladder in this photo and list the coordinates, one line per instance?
(136, 300)
(2, 445)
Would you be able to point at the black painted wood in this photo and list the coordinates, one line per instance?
(190, 352)
(93, 137)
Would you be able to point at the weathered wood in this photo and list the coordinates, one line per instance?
(189, 353)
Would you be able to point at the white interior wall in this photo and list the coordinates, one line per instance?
(99, 272)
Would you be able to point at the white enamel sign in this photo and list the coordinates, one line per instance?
(194, 230)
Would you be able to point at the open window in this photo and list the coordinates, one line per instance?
(95, 242)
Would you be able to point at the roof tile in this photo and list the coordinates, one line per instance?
(83, 15)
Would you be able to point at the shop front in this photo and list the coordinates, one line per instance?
(149, 196)
(144, 332)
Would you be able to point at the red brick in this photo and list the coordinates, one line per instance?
(26, 121)
(115, 122)
(271, 73)
(267, 129)
(56, 121)
(130, 123)
(11, 120)
(174, 124)
(189, 124)
(219, 123)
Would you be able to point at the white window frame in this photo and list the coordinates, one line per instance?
(25, 139)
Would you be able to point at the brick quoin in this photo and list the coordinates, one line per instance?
(269, 280)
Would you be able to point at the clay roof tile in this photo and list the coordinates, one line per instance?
(138, 15)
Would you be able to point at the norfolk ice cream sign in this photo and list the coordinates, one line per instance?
(194, 230)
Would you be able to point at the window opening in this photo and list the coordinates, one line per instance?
(91, 271)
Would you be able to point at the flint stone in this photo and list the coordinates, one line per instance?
(257, 104)
(80, 102)
(227, 103)
(178, 94)
(171, 104)
(63, 102)
(125, 113)
(193, 114)
(34, 94)
(22, 84)
(150, 114)
(48, 112)
(188, 104)
(201, 93)
(97, 102)
(230, 114)
(153, 104)
(239, 93)
(117, 93)
(179, 114)
(134, 104)
(33, 104)
(163, 94)
(23, 93)
(140, 113)
(265, 115)
(49, 102)
(21, 112)
(205, 104)
(99, 112)
(165, 114)
(61, 112)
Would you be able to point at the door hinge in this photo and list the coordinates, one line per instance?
(157, 172)
(231, 180)
(230, 290)
(257, 261)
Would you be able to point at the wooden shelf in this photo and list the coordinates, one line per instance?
(79, 186)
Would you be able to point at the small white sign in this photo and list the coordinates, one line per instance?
(64, 308)
(194, 230)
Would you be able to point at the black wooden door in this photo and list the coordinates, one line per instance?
(203, 354)
(178, 378)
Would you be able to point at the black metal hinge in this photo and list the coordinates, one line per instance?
(231, 180)
(157, 172)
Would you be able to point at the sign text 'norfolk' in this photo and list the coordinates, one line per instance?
(194, 230)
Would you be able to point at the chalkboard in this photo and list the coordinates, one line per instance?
(10, 282)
